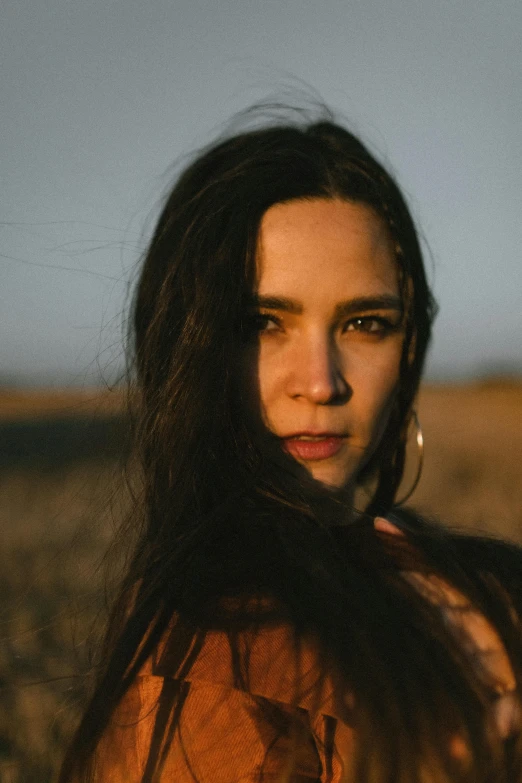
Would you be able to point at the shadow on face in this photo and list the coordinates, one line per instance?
(326, 327)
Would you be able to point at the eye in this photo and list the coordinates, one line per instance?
(370, 324)
(265, 322)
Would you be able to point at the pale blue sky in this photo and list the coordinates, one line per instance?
(100, 97)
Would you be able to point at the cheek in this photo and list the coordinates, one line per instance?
(270, 374)
(262, 383)
(377, 392)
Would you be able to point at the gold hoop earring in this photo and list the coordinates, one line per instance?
(420, 445)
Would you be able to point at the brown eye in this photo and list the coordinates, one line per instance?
(369, 325)
(263, 322)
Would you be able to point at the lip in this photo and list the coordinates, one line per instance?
(324, 446)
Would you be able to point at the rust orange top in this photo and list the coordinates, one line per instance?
(219, 737)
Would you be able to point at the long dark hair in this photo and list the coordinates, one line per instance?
(216, 509)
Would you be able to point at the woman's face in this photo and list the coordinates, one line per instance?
(330, 333)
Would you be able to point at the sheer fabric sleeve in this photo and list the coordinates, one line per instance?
(478, 638)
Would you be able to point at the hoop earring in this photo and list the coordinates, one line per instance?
(420, 446)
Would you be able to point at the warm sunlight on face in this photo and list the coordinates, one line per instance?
(330, 333)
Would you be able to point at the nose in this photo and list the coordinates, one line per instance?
(318, 374)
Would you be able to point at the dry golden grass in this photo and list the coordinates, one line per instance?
(472, 476)
(56, 526)
(57, 520)
(22, 404)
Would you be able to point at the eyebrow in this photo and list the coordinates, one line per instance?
(349, 307)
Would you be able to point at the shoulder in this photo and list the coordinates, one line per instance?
(491, 570)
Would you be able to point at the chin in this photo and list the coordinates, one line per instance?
(331, 477)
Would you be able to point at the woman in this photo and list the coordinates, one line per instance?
(267, 629)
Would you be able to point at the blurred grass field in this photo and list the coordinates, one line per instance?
(61, 498)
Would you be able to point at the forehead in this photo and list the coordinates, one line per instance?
(316, 246)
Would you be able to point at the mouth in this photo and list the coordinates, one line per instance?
(311, 447)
